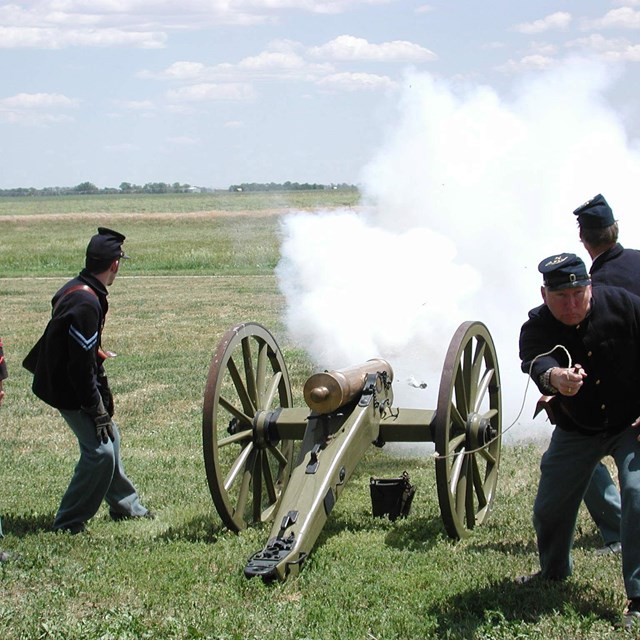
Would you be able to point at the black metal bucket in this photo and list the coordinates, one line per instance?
(391, 496)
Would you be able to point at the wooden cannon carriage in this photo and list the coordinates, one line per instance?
(266, 460)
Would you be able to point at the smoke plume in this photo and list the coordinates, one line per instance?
(467, 193)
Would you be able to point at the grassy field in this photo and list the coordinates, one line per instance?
(180, 576)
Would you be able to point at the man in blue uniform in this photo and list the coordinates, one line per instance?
(69, 375)
(583, 347)
(615, 266)
(612, 263)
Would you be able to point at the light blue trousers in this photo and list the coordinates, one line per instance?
(566, 470)
(99, 475)
(602, 500)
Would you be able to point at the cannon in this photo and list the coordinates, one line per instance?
(267, 461)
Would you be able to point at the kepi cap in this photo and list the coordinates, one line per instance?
(595, 213)
(563, 271)
(106, 245)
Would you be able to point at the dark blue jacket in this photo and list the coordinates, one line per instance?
(606, 344)
(618, 267)
(69, 373)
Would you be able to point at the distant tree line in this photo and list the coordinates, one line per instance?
(288, 186)
(88, 188)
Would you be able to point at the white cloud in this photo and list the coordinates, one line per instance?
(625, 18)
(535, 62)
(275, 64)
(272, 60)
(48, 38)
(351, 48)
(38, 101)
(543, 49)
(36, 109)
(55, 24)
(136, 105)
(558, 20)
(612, 49)
(211, 92)
(356, 81)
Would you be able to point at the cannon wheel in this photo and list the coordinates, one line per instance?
(468, 430)
(246, 473)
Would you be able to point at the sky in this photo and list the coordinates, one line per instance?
(473, 130)
(217, 92)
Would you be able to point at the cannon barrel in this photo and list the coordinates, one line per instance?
(327, 391)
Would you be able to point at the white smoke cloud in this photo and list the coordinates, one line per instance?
(466, 195)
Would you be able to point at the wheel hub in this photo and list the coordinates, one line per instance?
(480, 432)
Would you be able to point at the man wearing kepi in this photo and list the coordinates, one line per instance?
(583, 346)
(616, 266)
(70, 376)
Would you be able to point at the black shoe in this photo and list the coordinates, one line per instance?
(610, 548)
(631, 616)
(117, 517)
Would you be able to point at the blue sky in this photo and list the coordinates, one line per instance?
(216, 92)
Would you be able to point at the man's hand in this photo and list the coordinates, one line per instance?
(104, 430)
(567, 381)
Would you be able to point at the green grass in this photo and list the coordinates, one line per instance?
(181, 576)
(176, 203)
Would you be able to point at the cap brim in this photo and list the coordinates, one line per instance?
(568, 285)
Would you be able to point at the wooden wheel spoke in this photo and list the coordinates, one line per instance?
(485, 452)
(456, 441)
(462, 394)
(470, 505)
(240, 415)
(248, 371)
(474, 372)
(237, 466)
(269, 484)
(461, 488)
(257, 486)
(479, 484)
(457, 419)
(248, 404)
(278, 455)
(456, 471)
(270, 392)
(482, 390)
(261, 377)
(243, 494)
(235, 438)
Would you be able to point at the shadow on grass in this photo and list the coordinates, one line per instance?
(198, 529)
(508, 602)
(28, 524)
